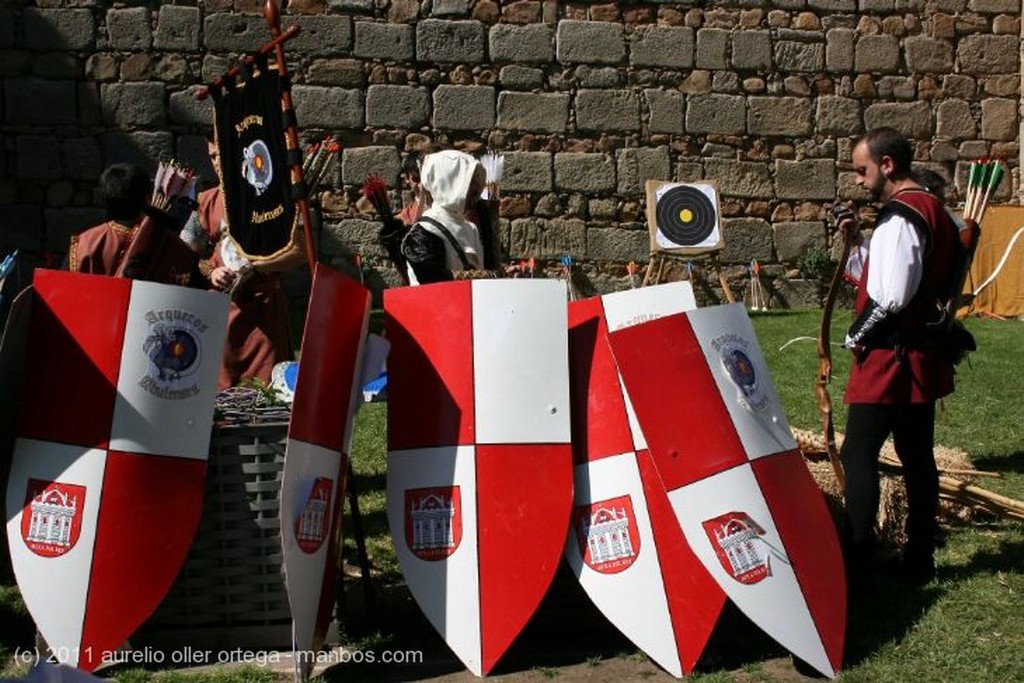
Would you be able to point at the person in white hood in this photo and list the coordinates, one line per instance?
(444, 241)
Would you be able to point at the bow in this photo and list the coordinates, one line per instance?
(1002, 262)
(825, 360)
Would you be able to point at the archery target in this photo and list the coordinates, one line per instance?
(683, 217)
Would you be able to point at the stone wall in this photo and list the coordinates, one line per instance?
(587, 101)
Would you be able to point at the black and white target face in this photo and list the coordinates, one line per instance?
(686, 216)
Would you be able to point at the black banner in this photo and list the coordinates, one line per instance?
(255, 175)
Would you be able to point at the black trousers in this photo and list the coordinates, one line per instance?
(913, 430)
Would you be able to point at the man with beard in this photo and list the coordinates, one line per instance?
(898, 372)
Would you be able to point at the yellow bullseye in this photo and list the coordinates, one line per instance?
(685, 215)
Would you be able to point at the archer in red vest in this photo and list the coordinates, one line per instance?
(904, 276)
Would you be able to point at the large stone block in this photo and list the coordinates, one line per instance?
(877, 54)
(527, 172)
(712, 48)
(344, 73)
(543, 113)
(23, 97)
(143, 148)
(397, 106)
(607, 110)
(83, 158)
(637, 165)
(391, 42)
(321, 107)
(994, 6)
(913, 119)
(839, 49)
(542, 238)
(999, 119)
(439, 40)
(323, 36)
(514, 77)
(590, 42)
(464, 107)
(833, 5)
(796, 57)
(584, 172)
(185, 108)
(954, 121)
(982, 54)
(714, 113)
(789, 116)
(37, 157)
(359, 162)
(793, 240)
(177, 28)
(618, 244)
(528, 44)
(839, 116)
(928, 55)
(353, 236)
(746, 239)
(128, 29)
(747, 179)
(662, 46)
(449, 8)
(807, 179)
(666, 107)
(227, 32)
(752, 50)
(58, 29)
(133, 104)
(598, 77)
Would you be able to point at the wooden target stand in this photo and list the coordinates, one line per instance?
(671, 207)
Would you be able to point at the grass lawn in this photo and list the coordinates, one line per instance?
(965, 626)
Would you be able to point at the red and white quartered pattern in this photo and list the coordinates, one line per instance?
(108, 471)
(625, 544)
(479, 464)
(745, 500)
(327, 394)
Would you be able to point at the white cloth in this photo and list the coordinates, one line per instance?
(446, 177)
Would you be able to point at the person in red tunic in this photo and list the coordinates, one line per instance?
(125, 190)
(899, 372)
(257, 336)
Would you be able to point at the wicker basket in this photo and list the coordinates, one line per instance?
(231, 592)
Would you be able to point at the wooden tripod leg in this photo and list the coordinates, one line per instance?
(721, 279)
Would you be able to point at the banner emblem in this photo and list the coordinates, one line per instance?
(607, 534)
(51, 521)
(312, 525)
(257, 166)
(737, 541)
(732, 350)
(433, 521)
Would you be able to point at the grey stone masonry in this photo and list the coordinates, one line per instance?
(928, 55)
(323, 36)
(515, 77)
(746, 179)
(38, 157)
(185, 108)
(397, 106)
(528, 44)
(723, 114)
(807, 179)
(543, 113)
(617, 244)
(793, 240)
(61, 224)
(913, 119)
(6, 27)
(712, 47)
(224, 32)
(954, 121)
(994, 6)
(590, 42)
(464, 107)
(746, 239)
(752, 50)
(23, 96)
(839, 116)
(981, 54)
(390, 42)
(598, 77)
(317, 106)
(438, 40)
(142, 148)
(662, 46)
(839, 49)
(133, 104)
(353, 236)
(82, 158)
(527, 172)
(24, 227)
(548, 238)
(351, 5)
(790, 116)
(666, 107)
(450, 8)
(359, 162)
(128, 29)
(177, 28)
(607, 110)
(833, 5)
(584, 172)
(58, 29)
(796, 57)
(637, 165)
(999, 119)
(877, 54)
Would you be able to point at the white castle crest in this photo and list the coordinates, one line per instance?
(432, 526)
(607, 533)
(311, 523)
(53, 512)
(738, 544)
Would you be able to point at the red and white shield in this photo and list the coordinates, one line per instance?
(107, 477)
(479, 406)
(746, 502)
(316, 459)
(660, 597)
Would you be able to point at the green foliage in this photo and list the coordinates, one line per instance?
(815, 263)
